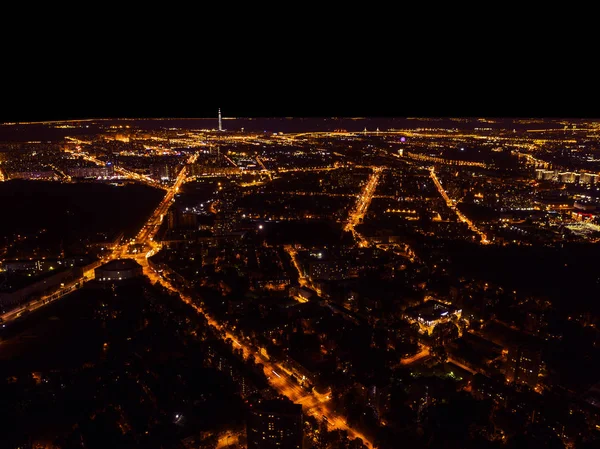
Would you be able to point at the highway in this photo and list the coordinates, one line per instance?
(149, 230)
(64, 290)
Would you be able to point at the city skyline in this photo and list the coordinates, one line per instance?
(315, 283)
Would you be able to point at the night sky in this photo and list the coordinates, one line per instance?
(342, 80)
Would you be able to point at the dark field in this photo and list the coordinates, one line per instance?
(70, 212)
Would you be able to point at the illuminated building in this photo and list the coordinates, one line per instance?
(34, 175)
(274, 424)
(567, 177)
(220, 122)
(91, 172)
(588, 178)
(548, 175)
(118, 270)
(163, 172)
(524, 363)
(120, 137)
(539, 173)
(585, 206)
(178, 219)
(430, 314)
(329, 270)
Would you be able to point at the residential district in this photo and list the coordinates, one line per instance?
(300, 283)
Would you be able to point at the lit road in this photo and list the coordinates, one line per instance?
(60, 292)
(228, 159)
(262, 165)
(440, 160)
(424, 352)
(461, 365)
(306, 169)
(61, 173)
(227, 439)
(332, 195)
(36, 304)
(531, 160)
(362, 205)
(153, 223)
(408, 254)
(303, 281)
(451, 205)
(260, 162)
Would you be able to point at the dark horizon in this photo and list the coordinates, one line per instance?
(311, 97)
(303, 117)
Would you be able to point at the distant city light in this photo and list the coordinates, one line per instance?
(355, 184)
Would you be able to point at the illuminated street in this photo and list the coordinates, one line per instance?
(362, 205)
(304, 282)
(151, 227)
(424, 352)
(228, 439)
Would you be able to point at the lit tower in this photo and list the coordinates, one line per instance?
(220, 124)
